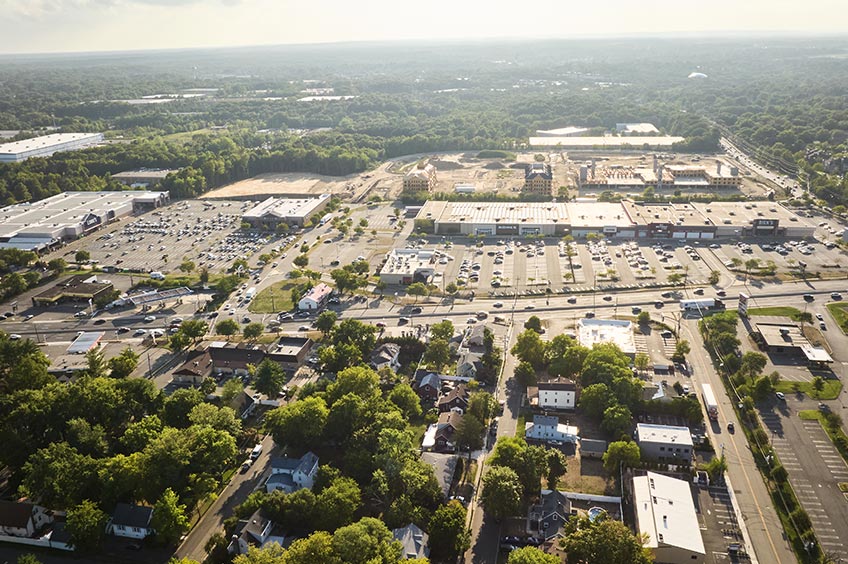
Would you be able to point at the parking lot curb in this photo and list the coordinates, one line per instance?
(743, 528)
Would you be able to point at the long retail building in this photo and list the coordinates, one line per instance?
(46, 145)
(625, 219)
(64, 217)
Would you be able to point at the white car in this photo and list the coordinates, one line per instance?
(140, 332)
(150, 318)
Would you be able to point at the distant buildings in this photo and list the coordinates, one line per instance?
(272, 212)
(67, 216)
(405, 266)
(47, 145)
(625, 219)
(636, 128)
(538, 179)
(571, 131)
(143, 177)
(422, 178)
(673, 177)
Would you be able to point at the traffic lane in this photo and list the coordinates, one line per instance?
(235, 493)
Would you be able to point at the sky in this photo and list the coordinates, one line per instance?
(38, 26)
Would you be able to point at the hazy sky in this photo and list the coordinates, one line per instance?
(28, 26)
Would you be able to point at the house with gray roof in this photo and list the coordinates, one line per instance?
(292, 474)
(131, 521)
(413, 540)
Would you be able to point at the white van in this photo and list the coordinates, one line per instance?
(257, 450)
(157, 276)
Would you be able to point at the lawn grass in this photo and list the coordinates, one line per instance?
(274, 298)
(839, 311)
(782, 311)
(832, 388)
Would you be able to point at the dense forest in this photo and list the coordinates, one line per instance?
(238, 112)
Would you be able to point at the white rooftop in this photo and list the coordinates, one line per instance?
(285, 207)
(650, 433)
(665, 512)
(562, 131)
(46, 141)
(608, 141)
(618, 332)
(408, 261)
(636, 128)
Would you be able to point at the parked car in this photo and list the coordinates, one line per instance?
(780, 396)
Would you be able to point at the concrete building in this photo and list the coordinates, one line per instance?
(787, 338)
(37, 226)
(421, 178)
(570, 131)
(665, 513)
(617, 332)
(626, 219)
(665, 443)
(143, 177)
(538, 179)
(557, 394)
(315, 298)
(46, 145)
(547, 428)
(290, 352)
(636, 128)
(405, 266)
(272, 212)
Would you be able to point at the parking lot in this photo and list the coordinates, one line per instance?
(205, 232)
(815, 471)
(788, 258)
(719, 527)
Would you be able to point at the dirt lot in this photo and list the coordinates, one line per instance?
(266, 185)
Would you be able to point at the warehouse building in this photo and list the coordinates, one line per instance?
(666, 515)
(291, 211)
(143, 177)
(405, 266)
(46, 145)
(64, 217)
(626, 219)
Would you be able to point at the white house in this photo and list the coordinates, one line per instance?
(548, 428)
(130, 521)
(22, 519)
(386, 355)
(558, 394)
(292, 474)
(315, 297)
(666, 514)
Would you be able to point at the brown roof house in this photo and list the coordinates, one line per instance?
(456, 399)
(22, 519)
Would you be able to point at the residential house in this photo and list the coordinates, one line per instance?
(292, 474)
(469, 365)
(195, 369)
(547, 518)
(665, 443)
(475, 338)
(456, 399)
(386, 356)
(315, 298)
(245, 404)
(290, 352)
(557, 394)
(666, 515)
(421, 178)
(548, 428)
(428, 385)
(413, 542)
(255, 531)
(538, 179)
(444, 467)
(439, 435)
(22, 519)
(130, 521)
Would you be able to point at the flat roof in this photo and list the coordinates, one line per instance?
(637, 127)
(648, 213)
(408, 261)
(746, 212)
(46, 141)
(647, 432)
(286, 207)
(665, 512)
(144, 173)
(816, 354)
(530, 213)
(85, 342)
(63, 210)
(618, 332)
(562, 131)
(594, 214)
(608, 141)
